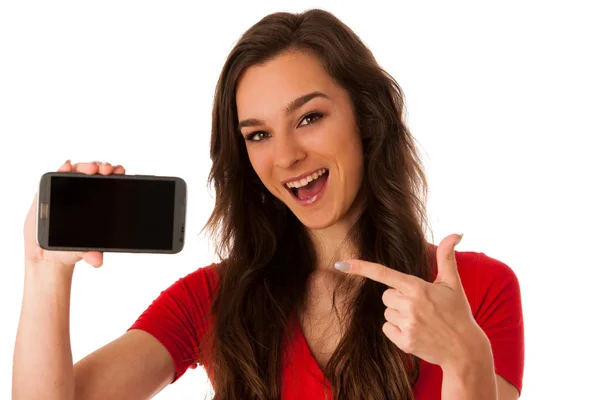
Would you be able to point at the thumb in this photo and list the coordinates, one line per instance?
(94, 258)
(446, 261)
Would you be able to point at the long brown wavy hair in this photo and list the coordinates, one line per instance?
(267, 253)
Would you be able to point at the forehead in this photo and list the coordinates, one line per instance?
(267, 88)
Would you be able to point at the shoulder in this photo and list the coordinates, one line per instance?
(200, 284)
(477, 268)
(477, 265)
(487, 281)
(205, 275)
(196, 288)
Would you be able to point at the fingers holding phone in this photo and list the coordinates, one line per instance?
(96, 167)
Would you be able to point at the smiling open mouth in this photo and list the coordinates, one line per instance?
(311, 189)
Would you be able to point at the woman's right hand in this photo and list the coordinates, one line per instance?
(34, 253)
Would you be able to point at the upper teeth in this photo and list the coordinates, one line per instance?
(306, 180)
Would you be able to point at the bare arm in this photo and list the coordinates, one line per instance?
(134, 366)
(42, 360)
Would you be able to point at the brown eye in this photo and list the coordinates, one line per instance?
(251, 137)
(312, 117)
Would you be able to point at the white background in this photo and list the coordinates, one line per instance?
(502, 97)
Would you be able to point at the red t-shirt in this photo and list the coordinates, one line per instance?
(179, 318)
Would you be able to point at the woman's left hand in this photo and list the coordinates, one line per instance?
(432, 321)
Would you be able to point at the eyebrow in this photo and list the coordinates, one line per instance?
(293, 106)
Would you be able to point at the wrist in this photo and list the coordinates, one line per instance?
(470, 367)
(470, 377)
(48, 268)
(472, 353)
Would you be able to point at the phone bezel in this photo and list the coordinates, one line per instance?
(179, 218)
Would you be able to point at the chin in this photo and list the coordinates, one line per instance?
(314, 224)
(317, 220)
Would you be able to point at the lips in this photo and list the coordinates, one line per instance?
(310, 196)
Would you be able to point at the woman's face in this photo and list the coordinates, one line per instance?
(300, 128)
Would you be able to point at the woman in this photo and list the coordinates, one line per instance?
(327, 288)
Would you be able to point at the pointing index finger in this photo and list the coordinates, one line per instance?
(379, 273)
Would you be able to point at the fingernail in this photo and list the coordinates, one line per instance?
(459, 239)
(342, 266)
(68, 162)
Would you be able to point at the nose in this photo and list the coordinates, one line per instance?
(287, 150)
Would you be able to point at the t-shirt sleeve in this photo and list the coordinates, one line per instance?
(179, 317)
(499, 313)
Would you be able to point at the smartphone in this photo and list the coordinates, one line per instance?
(112, 213)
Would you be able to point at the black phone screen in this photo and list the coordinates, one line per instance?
(111, 213)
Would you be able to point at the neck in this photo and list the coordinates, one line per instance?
(331, 243)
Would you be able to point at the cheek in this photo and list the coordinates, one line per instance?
(260, 161)
(351, 152)
(354, 165)
(336, 138)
